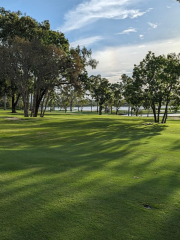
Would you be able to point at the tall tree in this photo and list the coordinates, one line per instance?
(3, 69)
(155, 80)
(101, 91)
(130, 94)
(117, 97)
(22, 57)
(13, 24)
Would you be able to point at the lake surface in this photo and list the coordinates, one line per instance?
(123, 108)
(87, 109)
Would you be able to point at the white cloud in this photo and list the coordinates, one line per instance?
(153, 25)
(150, 9)
(170, 42)
(141, 46)
(127, 31)
(169, 7)
(111, 60)
(91, 10)
(141, 36)
(85, 41)
(134, 53)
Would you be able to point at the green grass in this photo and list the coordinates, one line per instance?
(87, 177)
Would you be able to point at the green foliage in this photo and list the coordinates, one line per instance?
(86, 58)
(101, 91)
(155, 81)
(38, 59)
(14, 24)
(116, 96)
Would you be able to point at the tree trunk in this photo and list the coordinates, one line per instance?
(91, 105)
(5, 98)
(100, 109)
(148, 112)
(26, 106)
(42, 104)
(71, 107)
(116, 110)
(165, 113)
(97, 107)
(128, 110)
(31, 105)
(36, 108)
(106, 108)
(46, 102)
(159, 110)
(14, 103)
(71, 103)
(37, 101)
(154, 112)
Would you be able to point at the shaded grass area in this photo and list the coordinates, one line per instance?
(88, 177)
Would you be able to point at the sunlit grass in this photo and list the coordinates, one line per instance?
(88, 177)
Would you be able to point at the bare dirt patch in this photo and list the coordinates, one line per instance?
(13, 118)
(176, 118)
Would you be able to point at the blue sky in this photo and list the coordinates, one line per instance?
(119, 32)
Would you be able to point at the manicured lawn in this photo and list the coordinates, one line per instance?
(88, 177)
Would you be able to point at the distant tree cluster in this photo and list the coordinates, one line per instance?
(155, 82)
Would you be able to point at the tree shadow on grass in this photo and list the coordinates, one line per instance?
(80, 130)
(76, 180)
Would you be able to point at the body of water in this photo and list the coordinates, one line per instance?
(87, 109)
(123, 108)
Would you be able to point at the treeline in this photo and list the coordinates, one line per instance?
(38, 66)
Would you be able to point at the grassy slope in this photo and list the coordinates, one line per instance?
(68, 177)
